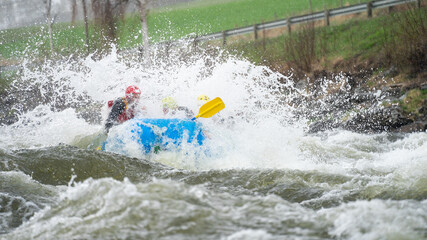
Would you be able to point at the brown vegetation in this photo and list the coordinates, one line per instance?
(407, 42)
(403, 49)
(301, 48)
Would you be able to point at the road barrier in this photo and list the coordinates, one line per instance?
(358, 8)
(316, 16)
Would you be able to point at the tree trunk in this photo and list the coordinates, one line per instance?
(122, 9)
(73, 11)
(86, 25)
(143, 10)
(105, 21)
(48, 4)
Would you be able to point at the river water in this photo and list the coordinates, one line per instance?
(261, 177)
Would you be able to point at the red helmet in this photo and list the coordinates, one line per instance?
(133, 91)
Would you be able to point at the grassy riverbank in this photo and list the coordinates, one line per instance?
(387, 52)
(394, 41)
(174, 22)
(397, 40)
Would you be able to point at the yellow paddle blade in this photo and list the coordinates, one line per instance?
(211, 108)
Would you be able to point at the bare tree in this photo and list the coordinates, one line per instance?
(86, 25)
(122, 5)
(73, 11)
(103, 17)
(48, 4)
(143, 11)
(106, 14)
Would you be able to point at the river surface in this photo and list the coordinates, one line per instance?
(260, 176)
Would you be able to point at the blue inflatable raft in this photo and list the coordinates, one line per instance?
(153, 135)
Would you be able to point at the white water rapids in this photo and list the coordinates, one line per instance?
(336, 184)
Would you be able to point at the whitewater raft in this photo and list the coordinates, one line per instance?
(152, 135)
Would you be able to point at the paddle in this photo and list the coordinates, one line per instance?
(98, 140)
(210, 108)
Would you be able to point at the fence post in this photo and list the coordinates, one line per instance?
(195, 42)
(255, 31)
(418, 3)
(369, 9)
(289, 25)
(167, 47)
(326, 17)
(224, 38)
(263, 36)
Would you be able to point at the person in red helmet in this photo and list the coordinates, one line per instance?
(123, 109)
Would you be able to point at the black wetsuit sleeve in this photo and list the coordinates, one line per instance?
(118, 107)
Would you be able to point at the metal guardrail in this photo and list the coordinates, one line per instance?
(358, 8)
(349, 10)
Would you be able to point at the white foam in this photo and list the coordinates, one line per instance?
(250, 234)
(378, 219)
(258, 131)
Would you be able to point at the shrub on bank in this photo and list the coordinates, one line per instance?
(398, 40)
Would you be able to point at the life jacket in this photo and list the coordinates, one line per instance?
(127, 114)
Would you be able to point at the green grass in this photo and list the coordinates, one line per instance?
(362, 37)
(356, 37)
(414, 100)
(202, 17)
(6, 77)
(174, 22)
